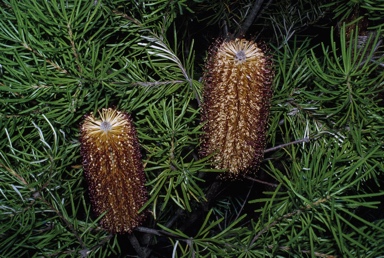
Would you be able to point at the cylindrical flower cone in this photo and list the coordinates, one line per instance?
(236, 100)
(113, 169)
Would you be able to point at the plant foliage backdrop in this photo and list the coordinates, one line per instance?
(318, 192)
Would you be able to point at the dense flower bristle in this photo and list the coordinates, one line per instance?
(237, 92)
(113, 169)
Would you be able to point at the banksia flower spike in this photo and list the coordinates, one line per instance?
(236, 99)
(113, 169)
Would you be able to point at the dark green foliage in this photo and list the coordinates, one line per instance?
(318, 192)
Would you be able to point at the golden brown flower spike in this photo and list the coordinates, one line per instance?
(113, 169)
(236, 99)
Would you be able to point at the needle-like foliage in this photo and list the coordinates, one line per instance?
(318, 190)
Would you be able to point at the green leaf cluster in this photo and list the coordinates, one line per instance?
(318, 192)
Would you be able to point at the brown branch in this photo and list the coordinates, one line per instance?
(125, 16)
(305, 139)
(250, 18)
(156, 83)
(73, 46)
(10, 170)
(56, 66)
(136, 245)
(261, 182)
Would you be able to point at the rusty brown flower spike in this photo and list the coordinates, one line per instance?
(113, 169)
(236, 100)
